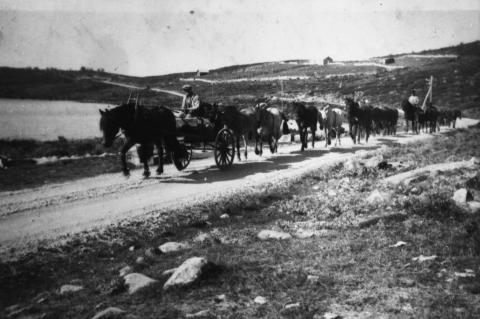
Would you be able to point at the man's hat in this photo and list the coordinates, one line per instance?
(187, 87)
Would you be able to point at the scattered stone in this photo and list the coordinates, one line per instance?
(292, 305)
(110, 312)
(407, 282)
(169, 272)
(125, 271)
(474, 206)
(136, 282)
(313, 279)
(272, 234)
(331, 193)
(131, 248)
(398, 244)
(186, 273)
(151, 252)
(224, 216)
(331, 315)
(220, 298)
(416, 191)
(203, 237)
(373, 162)
(316, 187)
(140, 260)
(302, 234)
(65, 289)
(462, 196)
(260, 300)
(377, 197)
(422, 258)
(200, 314)
(172, 246)
(465, 274)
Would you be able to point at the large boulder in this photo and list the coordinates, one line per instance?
(136, 282)
(187, 273)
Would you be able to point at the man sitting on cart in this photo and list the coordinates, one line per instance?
(191, 104)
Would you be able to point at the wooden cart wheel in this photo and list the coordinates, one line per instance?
(224, 149)
(182, 158)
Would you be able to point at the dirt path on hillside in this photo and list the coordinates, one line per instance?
(48, 212)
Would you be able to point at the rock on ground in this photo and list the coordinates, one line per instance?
(373, 162)
(65, 289)
(125, 271)
(136, 281)
(260, 300)
(186, 273)
(377, 197)
(200, 314)
(272, 234)
(462, 196)
(110, 312)
(172, 246)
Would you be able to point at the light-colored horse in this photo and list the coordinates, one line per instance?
(333, 119)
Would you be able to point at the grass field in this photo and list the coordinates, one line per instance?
(347, 268)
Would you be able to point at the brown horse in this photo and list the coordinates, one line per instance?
(243, 123)
(141, 126)
(306, 117)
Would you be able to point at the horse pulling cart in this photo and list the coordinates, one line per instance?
(199, 134)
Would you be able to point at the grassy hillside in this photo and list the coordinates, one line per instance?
(456, 81)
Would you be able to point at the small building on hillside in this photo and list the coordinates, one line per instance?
(327, 60)
(202, 72)
(389, 60)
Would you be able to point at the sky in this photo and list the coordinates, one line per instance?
(158, 37)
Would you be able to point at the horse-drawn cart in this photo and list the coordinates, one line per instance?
(199, 133)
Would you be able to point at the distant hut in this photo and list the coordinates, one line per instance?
(389, 60)
(202, 72)
(327, 60)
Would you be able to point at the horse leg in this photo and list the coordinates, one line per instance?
(159, 146)
(123, 156)
(237, 139)
(314, 130)
(245, 143)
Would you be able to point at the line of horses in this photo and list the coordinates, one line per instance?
(262, 122)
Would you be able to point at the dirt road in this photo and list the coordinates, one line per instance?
(48, 212)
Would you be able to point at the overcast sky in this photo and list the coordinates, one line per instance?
(159, 37)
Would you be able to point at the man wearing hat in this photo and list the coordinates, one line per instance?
(191, 102)
(413, 99)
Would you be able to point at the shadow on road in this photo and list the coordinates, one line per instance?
(277, 162)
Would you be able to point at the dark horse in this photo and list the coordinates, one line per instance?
(141, 126)
(412, 114)
(306, 117)
(358, 119)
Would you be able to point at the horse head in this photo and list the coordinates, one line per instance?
(109, 127)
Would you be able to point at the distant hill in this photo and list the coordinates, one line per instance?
(456, 84)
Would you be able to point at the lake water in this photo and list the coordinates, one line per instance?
(47, 120)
